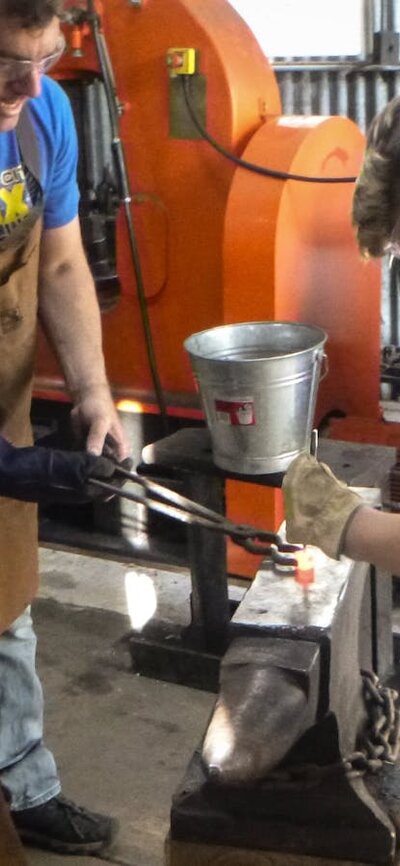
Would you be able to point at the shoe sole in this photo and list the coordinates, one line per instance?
(28, 837)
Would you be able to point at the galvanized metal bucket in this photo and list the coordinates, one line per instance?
(258, 383)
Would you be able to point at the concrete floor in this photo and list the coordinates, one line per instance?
(121, 741)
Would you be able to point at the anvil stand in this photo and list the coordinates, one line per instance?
(324, 638)
(191, 655)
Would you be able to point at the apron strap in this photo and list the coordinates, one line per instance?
(28, 143)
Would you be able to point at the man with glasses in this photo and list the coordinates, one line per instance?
(43, 272)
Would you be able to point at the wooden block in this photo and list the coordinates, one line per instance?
(185, 853)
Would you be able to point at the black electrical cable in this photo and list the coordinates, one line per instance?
(126, 200)
(250, 166)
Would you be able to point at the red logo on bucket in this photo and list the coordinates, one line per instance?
(235, 412)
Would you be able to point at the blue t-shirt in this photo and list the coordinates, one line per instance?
(54, 124)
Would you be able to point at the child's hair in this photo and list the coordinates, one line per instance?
(376, 201)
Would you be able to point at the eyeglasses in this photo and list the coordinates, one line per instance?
(12, 69)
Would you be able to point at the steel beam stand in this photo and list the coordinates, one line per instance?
(175, 655)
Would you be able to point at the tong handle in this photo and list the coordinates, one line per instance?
(171, 496)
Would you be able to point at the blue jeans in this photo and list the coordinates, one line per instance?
(27, 768)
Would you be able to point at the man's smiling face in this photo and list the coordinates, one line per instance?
(22, 81)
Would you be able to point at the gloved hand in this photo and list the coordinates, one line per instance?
(318, 507)
(36, 474)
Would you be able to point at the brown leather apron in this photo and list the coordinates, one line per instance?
(19, 260)
(11, 850)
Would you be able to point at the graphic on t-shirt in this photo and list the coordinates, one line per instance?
(15, 198)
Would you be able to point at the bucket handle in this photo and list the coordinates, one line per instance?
(324, 364)
(320, 358)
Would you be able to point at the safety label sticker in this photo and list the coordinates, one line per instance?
(235, 412)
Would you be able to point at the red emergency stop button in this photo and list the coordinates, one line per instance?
(181, 61)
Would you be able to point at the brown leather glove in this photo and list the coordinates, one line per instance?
(318, 507)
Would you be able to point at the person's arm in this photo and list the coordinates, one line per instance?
(323, 511)
(37, 474)
(69, 312)
(374, 536)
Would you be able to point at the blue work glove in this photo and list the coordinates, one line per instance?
(46, 475)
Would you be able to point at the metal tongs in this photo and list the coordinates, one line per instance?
(174, 505)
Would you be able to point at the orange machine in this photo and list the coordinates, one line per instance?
(212, 242)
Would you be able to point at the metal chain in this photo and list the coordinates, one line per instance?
(380, 742)
(381, 736)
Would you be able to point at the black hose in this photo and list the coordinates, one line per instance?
(250, 166)
(126, 200)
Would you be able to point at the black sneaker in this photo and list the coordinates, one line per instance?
(59, 825)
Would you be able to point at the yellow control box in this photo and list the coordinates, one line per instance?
(181, 61)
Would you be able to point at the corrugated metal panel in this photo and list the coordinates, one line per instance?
(349, 91)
